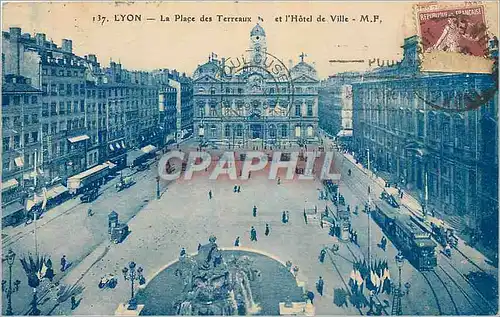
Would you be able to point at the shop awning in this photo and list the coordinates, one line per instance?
(33, 202)
(56, 191)
(148, 149)
(123, 145)
(19, 161)
(11, 209)
(111, 165)
(117, 145)
(79, 138)
(11, 183)
(111, 147)
(344, 133)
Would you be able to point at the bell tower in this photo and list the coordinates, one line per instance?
(258, 45)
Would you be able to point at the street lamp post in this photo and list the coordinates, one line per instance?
(131, 274)
(11, 256)
(157, 187)
(396, 305)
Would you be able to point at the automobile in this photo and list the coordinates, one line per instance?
(142, 167)
(89, 196)
(125, 182)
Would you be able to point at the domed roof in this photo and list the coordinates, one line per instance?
(210, 68)
(303, 68)
(257, 31)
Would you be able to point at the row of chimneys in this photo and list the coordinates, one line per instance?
(40, 38)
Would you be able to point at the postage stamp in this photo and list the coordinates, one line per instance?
(454, 39)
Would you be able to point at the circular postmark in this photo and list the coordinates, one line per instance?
(255, 84)
(469, 93)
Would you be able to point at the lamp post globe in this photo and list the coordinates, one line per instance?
(11, 256)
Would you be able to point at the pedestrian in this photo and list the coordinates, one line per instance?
(319, 285)
(287, 216)
(383, 243)
(199, 246)
(310, 296)
(235, 188)
(63, 263)
(401, 196)
(305, 217)
(283, 217)
(249, 175)
(237, 242)
(183, 252)
(210, 194)
(239, 189)
(322, 255)
(267, 229)
(355, 237)
(254, 211)
(332, 230)
(279, 180)
(73, 302)
(253, 234)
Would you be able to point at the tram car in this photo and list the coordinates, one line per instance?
(409, 237)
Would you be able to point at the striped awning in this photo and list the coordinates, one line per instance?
(111, 147)
(79, 138)
(123, 145)
(11, 183)
(148, 149)
(19, 161)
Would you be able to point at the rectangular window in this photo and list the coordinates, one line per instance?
(82, 106)
(34, 100)
(309, 110)
(53, 109)
(68, 107)
(53, 89)
(26, 119)
(34, 118)
(75, 88)
(45, 109)
(45, 128)
(17, 100)
(26, 100)
(6, 143)
(34, 136)
(62, 108)
(5, 100)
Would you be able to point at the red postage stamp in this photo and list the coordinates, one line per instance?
(460, 30)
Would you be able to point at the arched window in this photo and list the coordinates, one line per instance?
(212, 91)
(272, 131)
(284, 131)
(298, 110)
(297, 131)
(309, 131)
(227, 131)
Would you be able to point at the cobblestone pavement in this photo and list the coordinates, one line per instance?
(184, 216)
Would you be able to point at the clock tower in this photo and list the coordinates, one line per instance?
(258, 46)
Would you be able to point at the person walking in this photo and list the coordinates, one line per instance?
(63, 263)
(279, 181)
(267, 230)
(305, 217)
(254, 211)
(199, 246)
(319, 286)
(253, 234)
(235, 188)
(183, 252)
(287, 216)
(383, 243)
(210, 194)
(283, 217)
(237, 242)
(239, 189)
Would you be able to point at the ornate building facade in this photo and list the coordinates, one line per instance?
(255, 101)
(450, 158)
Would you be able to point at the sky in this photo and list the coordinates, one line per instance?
(183, 45)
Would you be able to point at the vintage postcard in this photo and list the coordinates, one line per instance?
(250, 158)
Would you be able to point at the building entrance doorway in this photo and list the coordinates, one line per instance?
(256, 131)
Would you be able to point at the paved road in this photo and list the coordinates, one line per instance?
(184, 216)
